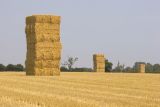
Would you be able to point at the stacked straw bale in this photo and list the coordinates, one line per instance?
(43, 45)
(99, 63)
(141, 68)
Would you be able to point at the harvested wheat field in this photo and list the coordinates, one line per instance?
(80, 90)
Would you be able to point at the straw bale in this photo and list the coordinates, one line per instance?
(47, 37)
(45, 26)
(47, 31)
(100, 70)
(40, 55)
(44, 46)
(99, 66)
(52, 71)
(47, 63)
(48, 49)
(43, 19)
(48, 45)
(38, 71)
(51, 56)
(46, 71)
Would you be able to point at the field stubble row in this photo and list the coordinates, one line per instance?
(80, 90)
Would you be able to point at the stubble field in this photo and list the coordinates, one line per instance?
(80, 90)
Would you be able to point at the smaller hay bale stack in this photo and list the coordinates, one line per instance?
(99, 63)
(141, 68)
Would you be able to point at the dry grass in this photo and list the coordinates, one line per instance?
(80, 90)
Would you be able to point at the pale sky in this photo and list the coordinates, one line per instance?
(124, 30)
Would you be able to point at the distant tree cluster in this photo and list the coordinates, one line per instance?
(11, 67)
(83, 69)
(67, 66)
(108, 66)
(152, 68)
(149, 68)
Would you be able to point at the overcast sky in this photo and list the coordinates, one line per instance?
(124, 30)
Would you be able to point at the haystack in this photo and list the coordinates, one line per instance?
(43, 45)
(99, 63)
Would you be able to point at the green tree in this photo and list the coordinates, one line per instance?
(156, 68)
(2, 67)
(108, 66)
(19, 67)
(63, 68)
(119, 67)
(149, 67)
(82, 69)
(10, 67)
(128, 69)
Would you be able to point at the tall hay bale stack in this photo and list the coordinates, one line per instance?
(43, 45)
(99, 62)
(141, 68)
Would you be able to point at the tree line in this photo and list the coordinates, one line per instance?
(11, 67)
(149, 68)
(67, 66)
